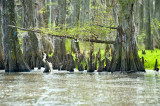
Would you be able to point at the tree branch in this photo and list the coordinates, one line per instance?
(61, 36)
(108, 27)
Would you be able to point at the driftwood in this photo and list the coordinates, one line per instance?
(65, 36)
(48, 66)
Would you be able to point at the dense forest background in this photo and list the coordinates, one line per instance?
(98, 35)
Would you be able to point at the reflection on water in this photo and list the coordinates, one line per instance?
(62, 88)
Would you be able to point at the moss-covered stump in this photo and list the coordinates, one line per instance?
(80, 67)
(69, 63)
(55, 62)
(91, 66)
(66, 64)
(101, 66)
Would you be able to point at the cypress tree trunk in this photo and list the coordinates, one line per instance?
(149, 38)
(157, 9)
(75, 22)
(90, 60)
(14, 61)
(141, 16)
(60, 49)
(30, 42)
(157, 12)
(1, 47)
(76, 12)
(40, 15)
(126, 57)
(137, 19)
(85, 11)
(152, 8)
(91, 67)
(157, 17)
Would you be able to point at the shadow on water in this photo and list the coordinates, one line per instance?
(79, 88)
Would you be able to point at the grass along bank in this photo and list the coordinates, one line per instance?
(150, 58)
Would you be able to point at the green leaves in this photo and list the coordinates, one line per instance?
(155, 23)
(86, 31)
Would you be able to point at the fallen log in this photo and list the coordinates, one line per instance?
(65, 36)
(108, 27)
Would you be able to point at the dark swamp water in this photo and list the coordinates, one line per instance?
(70, 89)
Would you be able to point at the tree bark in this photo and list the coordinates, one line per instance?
(30, 42)
(85, 11)
(91, 67)
(141, 17)
(1, 46)
(149, 38)
(13, 57)
(126, 57)
(157, 9)
(40, 15)
(90, 61)
(76, 12)
(75, 22)
(60, 49)
(157, 14)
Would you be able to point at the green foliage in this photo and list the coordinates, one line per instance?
(20, 41)
(79, 32)
(141, 37)
(150, 58)
(50, 55)
(155, 25)
(126, 2)
(68, 46)
(19, 2)
(141, 46)
(74, 56)
(51, 3)
(43, 10)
